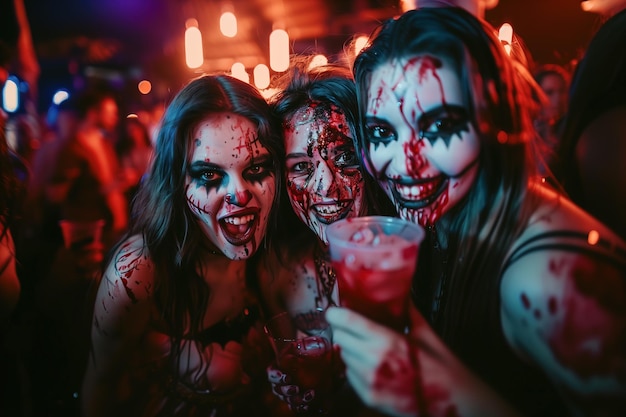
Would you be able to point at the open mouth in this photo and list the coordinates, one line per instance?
(239, 228)
(328, 213)
(416, 194)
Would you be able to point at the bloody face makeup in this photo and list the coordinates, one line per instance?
(423, 148)
(230, 184)
(324, 182)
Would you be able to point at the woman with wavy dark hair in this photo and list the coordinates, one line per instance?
(520, 293)
(324, 182)
(176, 321)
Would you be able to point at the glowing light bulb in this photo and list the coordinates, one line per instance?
(505, 34)
(11, 95)
(228, 24)
(261, 76)
(194, 56)
(279, 50)
(238, 70)
(60, 96)
(144, 86)
(593, 237)
(360, 43)
(317, 61)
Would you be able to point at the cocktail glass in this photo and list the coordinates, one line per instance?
(303, 347)
(375, 259)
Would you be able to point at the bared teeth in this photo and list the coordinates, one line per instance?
(330, 209)
(239, 220)
(418, 191)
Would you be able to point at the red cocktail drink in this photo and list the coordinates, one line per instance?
(375, 259)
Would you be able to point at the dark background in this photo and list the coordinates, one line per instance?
(124, 41)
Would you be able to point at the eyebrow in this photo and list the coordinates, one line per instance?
(261, 159)
(297, 155)
(370, 119)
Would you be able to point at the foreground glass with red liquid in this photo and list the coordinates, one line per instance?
(304, 352)
(375, 259)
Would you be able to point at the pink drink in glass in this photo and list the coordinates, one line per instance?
(309, 362)
(375, 258)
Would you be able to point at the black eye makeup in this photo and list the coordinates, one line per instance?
(260, 168)
(378, 131)
(443, 123)
(206, 174)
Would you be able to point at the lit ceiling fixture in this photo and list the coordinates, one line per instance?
(279, 50)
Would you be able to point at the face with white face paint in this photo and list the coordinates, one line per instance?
(423, 147)
(324, 181)
(230, 184)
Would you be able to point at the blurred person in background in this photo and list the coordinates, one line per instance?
(592, 151)
(86, 182)
(554, 81)
(134, 151)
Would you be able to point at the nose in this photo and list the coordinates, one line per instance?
(408, 155)
(323, 180)
(238, 194)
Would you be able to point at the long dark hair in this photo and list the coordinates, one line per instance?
(327, 85)
(468, 246)
(160, 212)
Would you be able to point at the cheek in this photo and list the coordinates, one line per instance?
(382, 156)
(455, 159)
(298, 197)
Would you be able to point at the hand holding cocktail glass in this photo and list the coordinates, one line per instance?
(303, 374)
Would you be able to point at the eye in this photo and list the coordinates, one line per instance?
(346, 160)
(378, 133)
(302, 167)
(443, 122)
(257, 172)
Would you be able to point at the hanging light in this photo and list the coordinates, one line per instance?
(360, 43)
(194, 56)
(505, 34)
(228, 24)
(261, 76)
(317, 61)
(238, 70)
(279, 50)
(11, 94)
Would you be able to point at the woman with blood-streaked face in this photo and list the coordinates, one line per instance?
(422, 147)
(324, 181)
(513, 279)
(175, 319)
(230, 184)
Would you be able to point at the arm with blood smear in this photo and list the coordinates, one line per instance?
(565, 311)
(121, 316)
(409, 375)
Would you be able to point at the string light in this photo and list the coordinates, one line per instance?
(228, 24)
(279, 50)
(318, 61)
(194, 55)
(261, 76)
(238, 70)
(505, 34)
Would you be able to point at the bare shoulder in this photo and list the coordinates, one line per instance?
(127, 286)
(564, 304)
